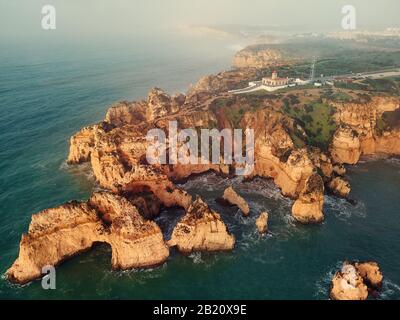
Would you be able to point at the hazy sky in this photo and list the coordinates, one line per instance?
(77, 18)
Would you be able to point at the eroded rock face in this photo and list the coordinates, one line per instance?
(340, 170)
(135, 242)
(201, 229)
(348, 285)
(356, 280)
(262, 222)
(81, 145)
(358, 134)
(308, 207)
(371, 274)
(59, 233)
(275, 154)
(340, 187)
(233, 198)
(346, 146)
(118, 156)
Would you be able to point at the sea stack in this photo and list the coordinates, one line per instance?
(201, 229)
(233, 198)
(262, 223)
(355, 281)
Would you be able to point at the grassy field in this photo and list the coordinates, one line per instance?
(317, 121)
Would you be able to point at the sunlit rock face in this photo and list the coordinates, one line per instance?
(262, 223)
(358, 132)
(201, 229)
(347, 284)
(340, 187)
(59, 233)
(308, 207)
(233, 198)
(356, 280)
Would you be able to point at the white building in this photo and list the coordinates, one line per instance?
(269, 84)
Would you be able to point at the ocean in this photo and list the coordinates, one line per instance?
(48, 91)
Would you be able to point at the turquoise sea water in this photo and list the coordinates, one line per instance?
(49, 92)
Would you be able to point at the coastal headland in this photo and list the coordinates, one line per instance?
(303, 138)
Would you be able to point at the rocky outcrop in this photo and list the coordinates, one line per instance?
(339, 169)
(256, 57)
(346, 146)
(359, 134)
(117, 153)
(81, 145)
(220, 83)
(356, 280)
(233, 198)
(59, 233)
(262, 223)
(340, 187)
(347, 284)
(201, 229)
(275, 154)
(371, 274)
(308, 207)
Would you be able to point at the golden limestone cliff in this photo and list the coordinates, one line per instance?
(359, 133)
(356, 280)
(59, 233)
(308, 207)
(201, 229)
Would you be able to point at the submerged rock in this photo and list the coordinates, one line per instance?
(201, 229)
(262, 222)
(59, 233)
(233, 198)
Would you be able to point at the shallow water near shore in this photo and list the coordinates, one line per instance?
(44, 100)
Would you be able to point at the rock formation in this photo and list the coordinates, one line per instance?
(358, 132)
(201, 229)
(371, 274)
(262, 222)
(308, 207)
(340, 187)
(233, 198)
(355, 281)
(59, 233)
(347, 284)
